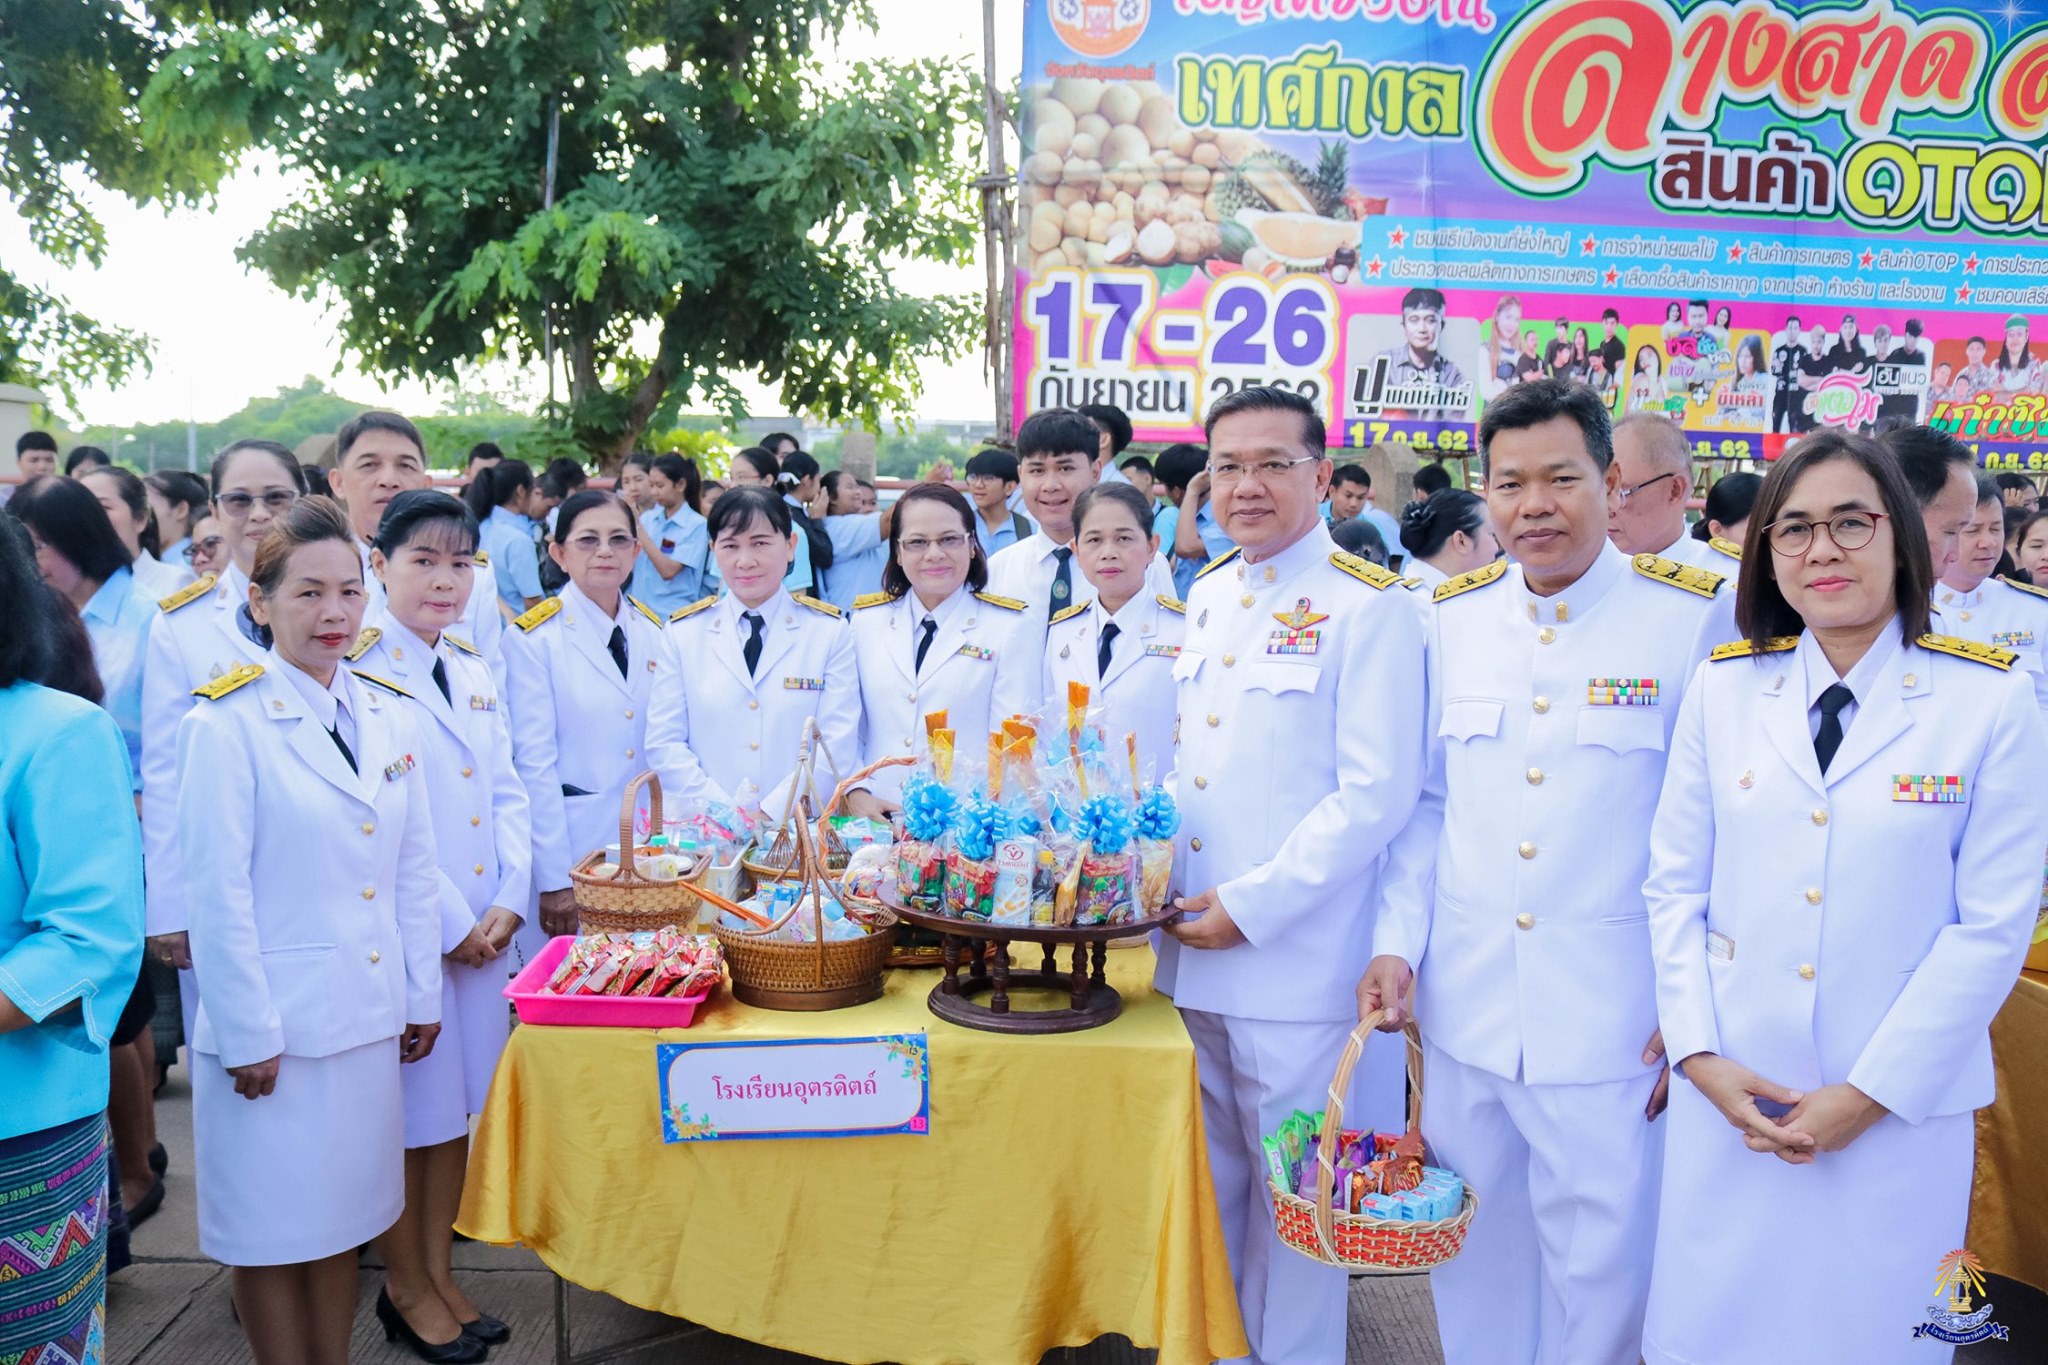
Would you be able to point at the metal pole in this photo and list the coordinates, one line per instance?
(547, 202)
(997, 248)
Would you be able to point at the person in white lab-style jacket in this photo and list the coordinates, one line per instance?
(1301, 703)
(580, 668)
(1515, 904)
(314, 916)
(1846, 867)
(932, 640)
(740, 674)
(425, 560)
(1120, 643)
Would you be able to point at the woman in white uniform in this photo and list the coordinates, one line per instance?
(1446, 534)
(742, 672)
(315, 912)
(424, 555)
(1845, 868)
(580, 668)
(1122, 642)
(931, 640)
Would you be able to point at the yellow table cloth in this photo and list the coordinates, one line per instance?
(2009, 1198)
(1063, 1191)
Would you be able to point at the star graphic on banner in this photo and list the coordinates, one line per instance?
(1867, 257)
(1970, 263)
(2013, 14)
(1611, 276)
(1962, 293)
(1586, 247)
(1374, 266)
(1735, 252)
(1397, 236)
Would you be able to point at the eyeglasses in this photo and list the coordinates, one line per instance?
(1848, 531)
(1267, 471)
(913, 546)
(1628, 493)
(239, 505)
(591, 544)
(207, 547)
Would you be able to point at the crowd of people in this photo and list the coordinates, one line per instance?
(1401, 802)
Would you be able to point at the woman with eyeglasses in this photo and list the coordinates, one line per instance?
(579, 669)
(743, 671)
(203, 551)
(1845, 868)
(122, 494)
(931, 640)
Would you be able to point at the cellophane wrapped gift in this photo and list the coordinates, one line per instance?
(1107, 884)
(970, 860)
(1158, 820)
(928, 809)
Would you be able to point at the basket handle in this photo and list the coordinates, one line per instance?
(1333, 1119)
(813, 881)
(846, 785)
(628, 870)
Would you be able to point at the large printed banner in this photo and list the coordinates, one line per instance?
(1757, 217)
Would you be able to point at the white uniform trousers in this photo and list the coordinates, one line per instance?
(1254, 1074)
(1556, 1267)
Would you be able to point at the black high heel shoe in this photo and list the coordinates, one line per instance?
(488, 1330)
(464, 1350)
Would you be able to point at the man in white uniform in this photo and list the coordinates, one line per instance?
(1515, 895)
(1300, 693)
(1976, 605)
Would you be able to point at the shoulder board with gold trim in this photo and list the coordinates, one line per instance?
(462, 646)
(643, 609)
(1067, 613)
(1411, 583)
(191, 592)
(228, 682)
(872, 599)
(1466, 582)
(823, 608)
(365, 642)
(1699, 582)
(2024, 587)
(385, 683)
(1173, 604)
(1364, 570)
(1218, 562)
(483, 560)
(534, 615)
(1726, 547)
(1743, 649)
(683, 613)
(1973, 650)
(1006, 603)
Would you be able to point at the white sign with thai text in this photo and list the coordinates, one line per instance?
(809, 1087)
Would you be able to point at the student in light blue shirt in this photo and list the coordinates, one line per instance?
(674, 545)
(1177, 470)
(860, 539)
(1351, 496)
(992, 488)
(500, 495)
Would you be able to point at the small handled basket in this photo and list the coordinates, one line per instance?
(1361, 1244)
(629, 902)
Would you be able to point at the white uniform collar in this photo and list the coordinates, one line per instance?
(1045, 547)
(582, 608)
(1945, 596)
(1134, 616)
(1676, 548)
(1314, 547)
(778, 606)
(232, 587)
(1820, 675)
(324, 703)
(1581, 597)
(942, 613)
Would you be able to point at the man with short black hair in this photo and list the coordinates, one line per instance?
(1613, 350)
(1182, 473)
(2017, 490)
(35, 455)
(991, 479)
(1943, 475)
(1350, 487)
(1137, 472)
(1431, 478)
(1420, 358)
(1787, 397)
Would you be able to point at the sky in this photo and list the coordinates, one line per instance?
(224, 335)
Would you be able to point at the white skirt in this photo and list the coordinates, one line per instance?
(1759, 1260)
(448, 1085)
(314, 1168)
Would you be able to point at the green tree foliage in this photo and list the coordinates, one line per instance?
(906, 454)
(720, 206)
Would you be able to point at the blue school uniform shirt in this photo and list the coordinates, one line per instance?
(508, 538)
(685, 536)
(118, 619)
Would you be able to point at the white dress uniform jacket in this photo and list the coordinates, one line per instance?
(983, 667)
(1027, 569)
(1136, 693)
(2008, 615)
(578, 727)
(1860, 927)
(484, 834)
(717, 733)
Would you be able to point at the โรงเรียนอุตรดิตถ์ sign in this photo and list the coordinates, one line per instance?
(795, 1088)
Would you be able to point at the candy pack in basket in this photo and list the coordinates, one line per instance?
(1379, 1175)
(663, 964)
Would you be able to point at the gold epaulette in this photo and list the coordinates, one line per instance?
(1218, 562)
(228, 682)
(2023, 587)
(191, 592)
(1074, 610)
(682, 613)
(1173, 604)
(385, 683)
(1364, 570)
(365, 642)
(823, 608)
(1699, 582)
(1726, 547)
(483, 561)
(1006, 603)
(1743, 649)
(872, 599)
(1411, 583)
(543, 610)
(643, 609)
(1973, 650)
(1465, 582)
(461, 646)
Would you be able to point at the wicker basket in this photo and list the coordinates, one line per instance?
(1363, 1245)
(629, 902)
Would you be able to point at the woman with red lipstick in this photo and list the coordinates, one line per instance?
(315, 915)
(1844, 872)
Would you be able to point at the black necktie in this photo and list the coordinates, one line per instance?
(1063, 581)
(334, 733)
(1829, 737)
(924, 643)
(1102, 650)
(617, 645)
(752, 652)
(441, 679)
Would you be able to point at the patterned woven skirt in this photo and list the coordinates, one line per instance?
(53, 1245)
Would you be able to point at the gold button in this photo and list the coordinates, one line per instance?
(1229, 659)
(1820, 817)
(1535, 776)
(1908, 680)
(1196, 843)
(1527, 850)
(629, 753)
(1542, 704)
(479, 869)
(375, 956)
(466, 772)
(1813, 895)
(369, 893)
(629, 713)
(1215, 720)
(1525, 920)
(1201, 783)
(369, 829)
(755, 706)
(1806, 971)
(754, 744)
(1546, 635)
(1245, 600)
(1965, 615)
(475, 820)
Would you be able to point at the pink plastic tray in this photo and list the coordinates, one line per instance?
(592, 1011)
